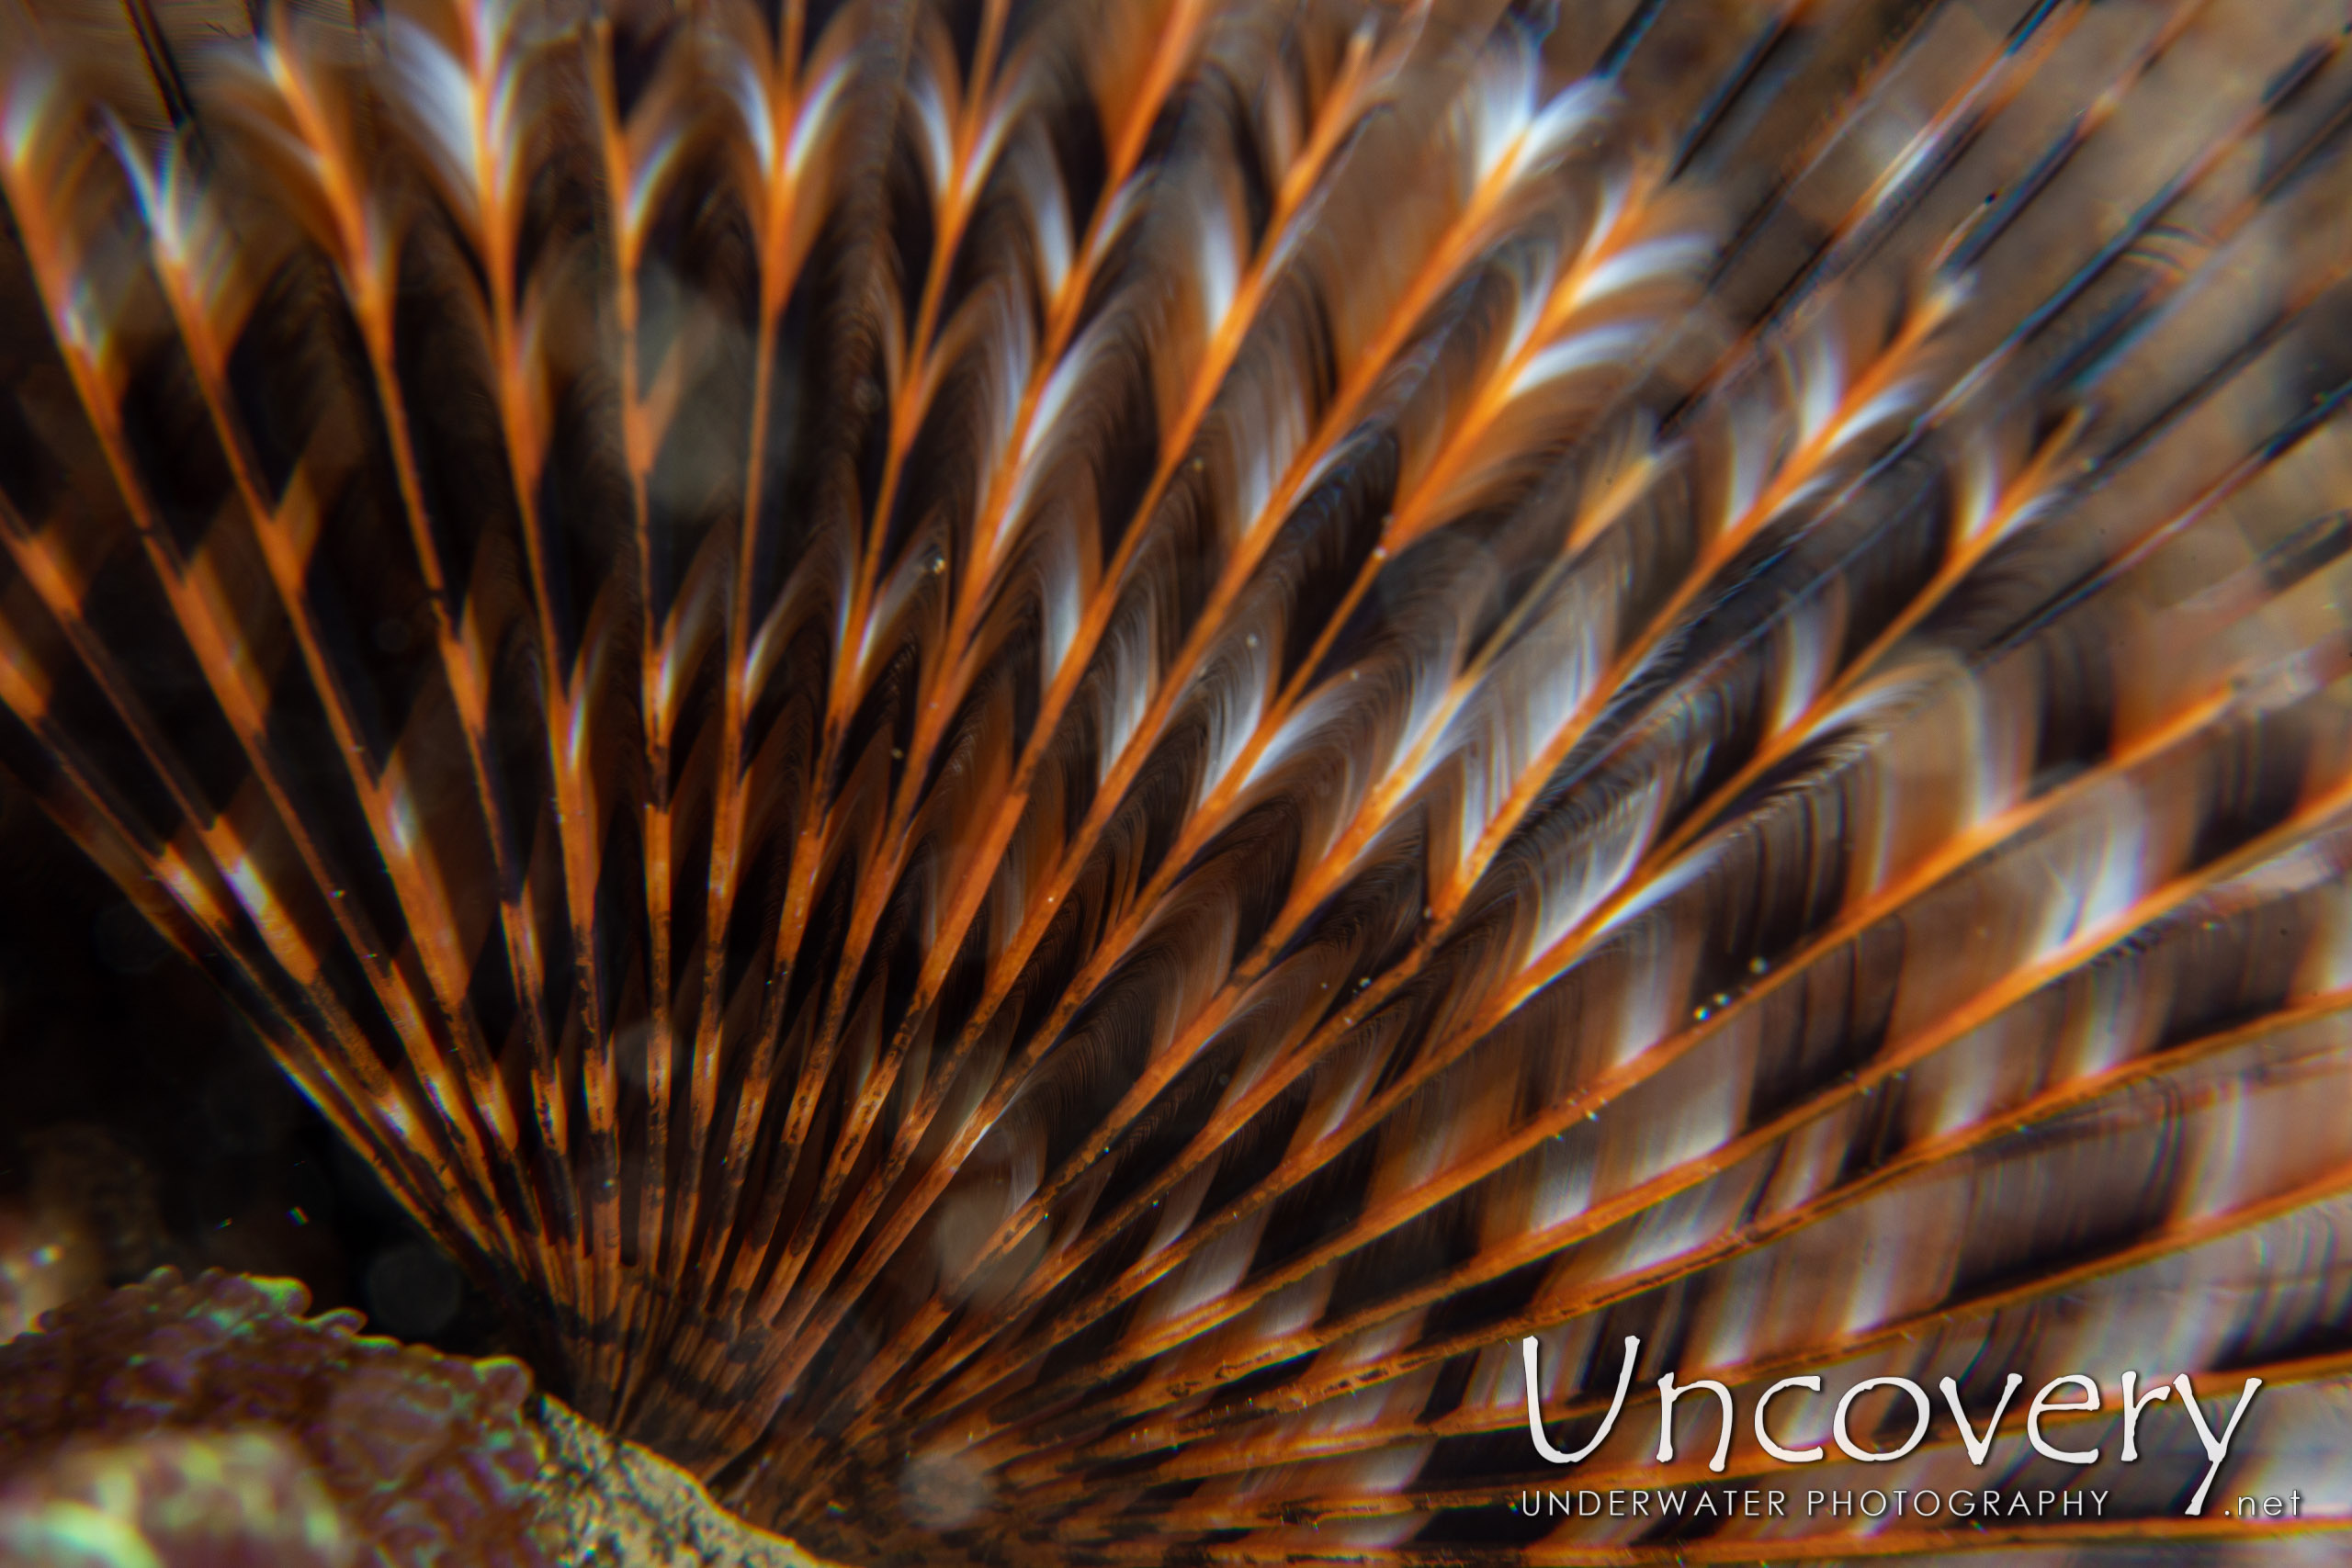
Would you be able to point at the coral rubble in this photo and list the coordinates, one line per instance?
(209, 1422)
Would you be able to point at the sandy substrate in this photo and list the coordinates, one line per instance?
(613, 1505)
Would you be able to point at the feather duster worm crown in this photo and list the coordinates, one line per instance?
(1037, 758)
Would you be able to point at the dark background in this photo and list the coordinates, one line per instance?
(143, 1124)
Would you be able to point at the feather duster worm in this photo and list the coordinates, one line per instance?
(1038, 758)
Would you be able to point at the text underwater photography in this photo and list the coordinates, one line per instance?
(1957, 1504)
